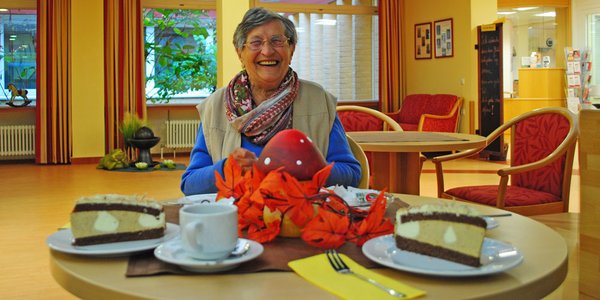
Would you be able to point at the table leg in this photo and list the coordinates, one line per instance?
(397, 172)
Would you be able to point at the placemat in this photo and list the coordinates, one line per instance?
(401, 136)
(275, 257)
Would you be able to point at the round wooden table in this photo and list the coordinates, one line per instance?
(396, 155)
(544, 268)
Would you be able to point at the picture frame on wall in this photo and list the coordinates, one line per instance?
(443, 38)
(423, 46)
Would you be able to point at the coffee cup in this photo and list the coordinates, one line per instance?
(208, 231)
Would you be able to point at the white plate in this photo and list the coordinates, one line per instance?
(496, 257)
(172, 252)
(203, 198)
(491, 223)
(62, 241)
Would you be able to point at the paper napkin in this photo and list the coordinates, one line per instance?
(317, 270)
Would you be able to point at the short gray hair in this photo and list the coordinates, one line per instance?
(258, 16)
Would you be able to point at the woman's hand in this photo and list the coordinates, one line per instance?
(244, 158)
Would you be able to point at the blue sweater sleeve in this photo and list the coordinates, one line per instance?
(346, 169)
(199, 177)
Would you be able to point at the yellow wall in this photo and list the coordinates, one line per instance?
(228, 17)
(87, 45)
(454, 75)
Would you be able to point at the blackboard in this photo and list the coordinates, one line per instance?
(491, 102)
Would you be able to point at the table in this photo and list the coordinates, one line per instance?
(396, 158)
(544, 268)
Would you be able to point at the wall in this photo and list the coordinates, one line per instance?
(87, 45)
(228, 63)
(455, 75)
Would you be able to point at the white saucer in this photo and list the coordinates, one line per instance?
(62, 241)
(172, 252)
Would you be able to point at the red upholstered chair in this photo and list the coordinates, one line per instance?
(426, 112)
(541, 161)
(361, 156)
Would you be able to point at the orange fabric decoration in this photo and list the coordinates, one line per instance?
(327, 221)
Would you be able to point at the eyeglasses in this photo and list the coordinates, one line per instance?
(275, 42)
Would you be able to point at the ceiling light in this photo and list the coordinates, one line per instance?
(525, 8)
(546, 14)
(506, 12)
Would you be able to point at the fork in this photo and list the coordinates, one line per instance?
(339, 266)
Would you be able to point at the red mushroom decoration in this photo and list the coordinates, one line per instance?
(294, 151)
(299, 157)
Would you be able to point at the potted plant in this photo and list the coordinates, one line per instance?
(128, 127)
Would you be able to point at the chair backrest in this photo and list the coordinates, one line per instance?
(414, 105)
(359, 118)
(448, 125)
(538, 134)
(364, 163)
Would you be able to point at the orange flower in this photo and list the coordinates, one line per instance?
(374, 225)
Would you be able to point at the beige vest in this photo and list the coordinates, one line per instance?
(313, 113)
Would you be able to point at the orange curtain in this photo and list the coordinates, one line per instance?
(53, 80)
(124, 84)
(391, 81)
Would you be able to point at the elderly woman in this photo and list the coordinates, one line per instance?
(263, 99)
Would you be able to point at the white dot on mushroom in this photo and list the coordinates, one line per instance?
(267, 161)
(299, 162)
(302, 141)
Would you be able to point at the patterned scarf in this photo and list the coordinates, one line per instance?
(260, 123)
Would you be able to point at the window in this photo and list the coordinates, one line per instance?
(17, 51)
(338, 45)
(180, 50)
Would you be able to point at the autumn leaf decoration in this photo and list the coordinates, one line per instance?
(324, 218)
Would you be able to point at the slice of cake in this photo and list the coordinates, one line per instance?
(113, 218)
(452, 232)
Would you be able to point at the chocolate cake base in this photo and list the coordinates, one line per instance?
(120, 237)
(435, 251)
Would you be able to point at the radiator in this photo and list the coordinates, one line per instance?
(181, 133)
(17, 140)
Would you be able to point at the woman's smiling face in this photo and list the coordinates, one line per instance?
(267, 66)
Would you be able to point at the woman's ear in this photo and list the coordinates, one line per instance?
(292, 49)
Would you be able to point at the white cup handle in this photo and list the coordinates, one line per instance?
(191, 231)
